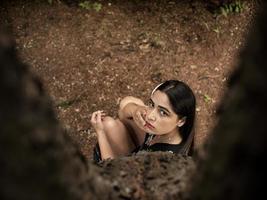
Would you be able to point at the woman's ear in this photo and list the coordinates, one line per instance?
(181, 122)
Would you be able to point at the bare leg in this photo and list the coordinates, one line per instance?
(121, 137)
(137, 135)
(118, 137)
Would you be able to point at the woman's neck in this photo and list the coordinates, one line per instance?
(170, 138)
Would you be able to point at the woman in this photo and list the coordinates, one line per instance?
(165, 124)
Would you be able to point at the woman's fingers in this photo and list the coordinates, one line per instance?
(96, 120)
(93, 117)
(140, 119)
(96, 115)
(143, 114)
(103, 114)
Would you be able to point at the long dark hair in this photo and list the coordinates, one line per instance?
(183, 103)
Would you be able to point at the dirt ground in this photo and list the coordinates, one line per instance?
(89, 60)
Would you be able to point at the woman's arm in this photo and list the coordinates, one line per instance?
(104, 144)
(128, 107)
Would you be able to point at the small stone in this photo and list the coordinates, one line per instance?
(144, 47)
(193, 66)
(123, 173)
(128, 190)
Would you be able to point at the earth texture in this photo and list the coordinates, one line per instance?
(89, 58)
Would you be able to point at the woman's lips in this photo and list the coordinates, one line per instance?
(148, 125)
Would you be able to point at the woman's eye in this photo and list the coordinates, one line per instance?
(150, 104)
(163, 113)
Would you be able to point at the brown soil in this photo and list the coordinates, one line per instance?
(89, 60)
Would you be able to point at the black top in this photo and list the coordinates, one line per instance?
(173, 148)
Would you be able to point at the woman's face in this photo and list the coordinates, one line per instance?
(160, 117)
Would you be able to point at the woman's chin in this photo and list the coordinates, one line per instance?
(149, 130)
(146, 129)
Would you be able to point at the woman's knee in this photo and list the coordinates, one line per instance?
(118, 134)
(109, 123)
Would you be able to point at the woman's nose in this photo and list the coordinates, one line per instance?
(151, 115)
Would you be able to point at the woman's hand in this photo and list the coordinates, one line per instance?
(96, 121)
(139, 116)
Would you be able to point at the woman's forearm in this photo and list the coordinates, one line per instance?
(128, 106)
(127, 111)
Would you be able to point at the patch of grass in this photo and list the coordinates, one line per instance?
(216, 30)
(91, 6)
(67, 103)
(207, 98)
(234, 7)
(157, 42)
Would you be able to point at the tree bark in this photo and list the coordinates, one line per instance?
(234, 167)
(38, 161)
